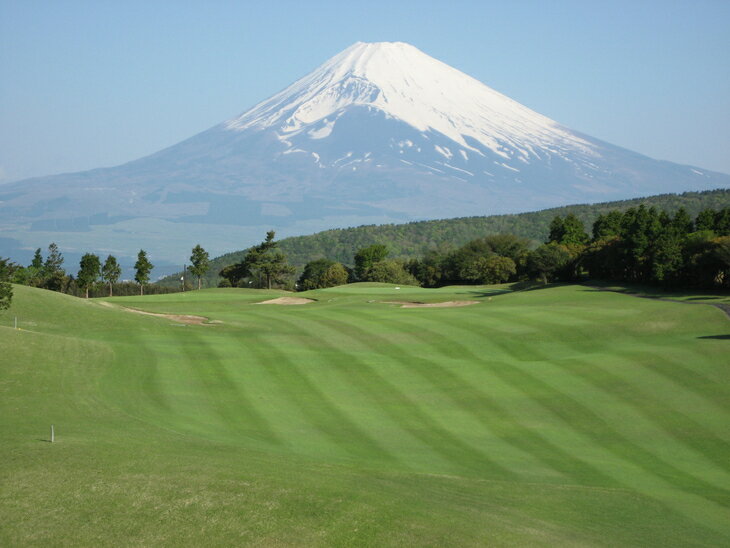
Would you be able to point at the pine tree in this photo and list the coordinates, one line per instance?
(200, 263)
(110, 272)
(89, 271)
(142, 268)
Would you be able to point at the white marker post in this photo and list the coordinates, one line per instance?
(53, 437)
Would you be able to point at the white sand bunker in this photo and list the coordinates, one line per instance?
(445, 304)
(288, 301)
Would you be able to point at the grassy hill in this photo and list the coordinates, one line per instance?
(564, 416)
(412, 239)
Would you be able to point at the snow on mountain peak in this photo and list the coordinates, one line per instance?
(408, 85)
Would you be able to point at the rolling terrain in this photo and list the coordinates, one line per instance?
(560, 416)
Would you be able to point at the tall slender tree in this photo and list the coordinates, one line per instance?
(53, 274)
(37, 261)
(199, 263)
(142, 268)
(6, 290)
(89, 271)
(110, 272)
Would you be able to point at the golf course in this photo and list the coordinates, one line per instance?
(564, 415)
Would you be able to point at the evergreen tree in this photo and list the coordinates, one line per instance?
(142, 268)
(110, 272)
(705, 220)
(37, 261)
(265, 260)
(200, 262)
(682, 222)
(722, 222)
(6, 289)
(89, 271)
(53, 274)
(607, 226)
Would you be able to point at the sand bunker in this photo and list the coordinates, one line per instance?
(445, 304)
(182, 318)
(288, 301)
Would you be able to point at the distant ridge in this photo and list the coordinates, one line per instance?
(412, 239)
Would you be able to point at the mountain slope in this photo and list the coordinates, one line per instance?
(379, 133)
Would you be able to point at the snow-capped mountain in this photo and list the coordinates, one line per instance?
(379, 133)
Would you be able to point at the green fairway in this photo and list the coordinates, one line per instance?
(564, 416)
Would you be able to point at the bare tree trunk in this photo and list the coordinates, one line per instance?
(141, 289)
(199, 282)
(87, 291)
(110, 289)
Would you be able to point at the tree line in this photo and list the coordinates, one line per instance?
(93, 279)
(412, 240)
(639, 245)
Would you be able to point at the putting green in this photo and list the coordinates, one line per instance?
(560, 416)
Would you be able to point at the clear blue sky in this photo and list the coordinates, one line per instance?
(98, 83)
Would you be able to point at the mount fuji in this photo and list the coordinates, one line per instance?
(380, 133)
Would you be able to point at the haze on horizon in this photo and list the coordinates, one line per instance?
(88, 86)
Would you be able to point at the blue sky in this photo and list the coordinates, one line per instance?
(98, 83)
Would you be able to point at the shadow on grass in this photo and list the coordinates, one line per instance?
(718, 337)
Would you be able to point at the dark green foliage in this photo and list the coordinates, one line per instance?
(89, 272)
(199, 263)
(6, 290)
(547, 260)
(607, 226)
(37, 261)
(142, 269)
(654, 247)
(52, 275)
(722, 222)
(682, 222)
(264, 263)
(491, 270)
(110, 272)
(705, 220)
(366, 257)
(390, 271)
(335, 275)
(567, 231)
(322, 273)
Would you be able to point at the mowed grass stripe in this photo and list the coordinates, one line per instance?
(407, 414)
(388, 355)
(668, 419)
(467, 395)
(590, 424)
(696, 503)
(680, 427)
(226, 396)
(671, 363)
(327, 419)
